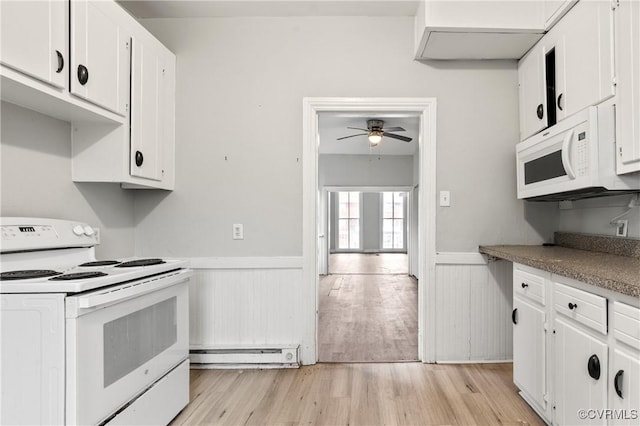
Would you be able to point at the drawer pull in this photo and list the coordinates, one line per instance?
(593, 366)
(514, 318)
(573, 306)
(525, 285)
(617, 382)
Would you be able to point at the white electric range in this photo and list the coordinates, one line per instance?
(88, 341)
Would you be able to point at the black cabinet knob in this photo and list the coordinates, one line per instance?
(83, 74)
(593, 366)
(540, 111)
(617, 382)
(514, 318)
(60, 62)
(139, 158)
(525, 285)
(560, 102)
(572, 306)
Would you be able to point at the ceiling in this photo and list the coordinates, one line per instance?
(228, 8)
(332, 125)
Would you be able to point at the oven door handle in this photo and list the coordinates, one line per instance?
(134, 289)
(566, 155)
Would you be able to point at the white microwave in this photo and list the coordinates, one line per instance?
(574, 159)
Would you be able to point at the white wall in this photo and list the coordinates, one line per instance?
(239, 96)
(36, 181)
(365, 170)
(240, 85)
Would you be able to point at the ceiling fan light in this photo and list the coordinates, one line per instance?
(375, 138)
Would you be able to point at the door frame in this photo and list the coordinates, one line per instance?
(312, 216)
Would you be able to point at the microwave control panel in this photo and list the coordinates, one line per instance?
(582, 159)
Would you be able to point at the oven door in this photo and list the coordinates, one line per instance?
(558, 160)
(117, 349)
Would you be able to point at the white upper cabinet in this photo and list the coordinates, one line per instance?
(554, 10)
(627, 44)
(101, 60)
(569, 69)
(531, 91)
(147, 99)
(584, 57)
(477, 30)
(35, 39)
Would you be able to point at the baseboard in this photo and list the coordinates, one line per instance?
(476, 361)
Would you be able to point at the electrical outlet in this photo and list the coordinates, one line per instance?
(97, 234)
(238, 231)
(621, 228)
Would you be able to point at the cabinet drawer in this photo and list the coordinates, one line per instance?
(626, 324)
(584, 307)
(528, 285)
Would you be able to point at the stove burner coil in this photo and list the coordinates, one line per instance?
(101, 263)
(78, 276)
(27, 274)
(140, 262)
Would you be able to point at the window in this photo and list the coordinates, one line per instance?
(348, 220)
(393, 220)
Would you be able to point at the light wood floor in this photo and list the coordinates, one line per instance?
(369, 311)
(368, 318)
(357, 394)
(368, 263)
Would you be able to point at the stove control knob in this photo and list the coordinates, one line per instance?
(88, 230)
(78, 230)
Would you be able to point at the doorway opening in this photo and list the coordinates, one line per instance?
(368, 301)
(315, 209)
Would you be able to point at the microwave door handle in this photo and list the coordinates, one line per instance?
(566, 161)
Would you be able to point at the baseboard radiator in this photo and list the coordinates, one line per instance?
(273, 356)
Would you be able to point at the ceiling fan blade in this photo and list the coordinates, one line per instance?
(351, 136)
(394, 129)
(358, 128)
(399, 137)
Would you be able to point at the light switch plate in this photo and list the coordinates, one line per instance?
(445, 199)
(238, 231)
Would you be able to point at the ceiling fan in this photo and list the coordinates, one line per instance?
(375, 131)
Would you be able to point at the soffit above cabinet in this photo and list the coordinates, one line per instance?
(477, 30)
(474, 44)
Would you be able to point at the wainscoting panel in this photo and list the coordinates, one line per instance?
(473, 311)
(245, 307)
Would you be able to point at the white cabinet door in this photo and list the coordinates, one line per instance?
(34, 38)
(100, 54)
(531, 82)
(584, 57)
(575, 389)
(628, 76)
(529, 365)
(147, 100)
(625, 386)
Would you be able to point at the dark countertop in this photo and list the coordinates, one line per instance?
(614, 272)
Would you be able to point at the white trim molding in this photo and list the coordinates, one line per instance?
(426, 109)
(275, 262)
(460, 258)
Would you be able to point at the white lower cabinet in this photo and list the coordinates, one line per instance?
(580, 379)
(576, 355)
(625, 387)
(529, 346)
